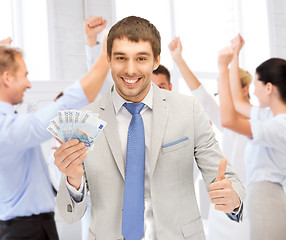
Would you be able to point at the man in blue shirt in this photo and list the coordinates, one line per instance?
(27, 199)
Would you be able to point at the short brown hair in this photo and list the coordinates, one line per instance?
(135, 29)
(163, 70)
(8, 59)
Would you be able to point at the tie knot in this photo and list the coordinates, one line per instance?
(134, 108)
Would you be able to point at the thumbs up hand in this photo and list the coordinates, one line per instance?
(221, 191)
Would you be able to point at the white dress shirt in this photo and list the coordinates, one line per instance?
(123, 118)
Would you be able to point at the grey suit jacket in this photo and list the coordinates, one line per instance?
(181, 135)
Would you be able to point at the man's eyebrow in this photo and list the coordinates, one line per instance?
(138, 54)
(144, 53)
(118, 53)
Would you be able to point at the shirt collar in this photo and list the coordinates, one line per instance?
(6, 108)
(118, 101)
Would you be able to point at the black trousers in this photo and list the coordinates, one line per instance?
(35, 227)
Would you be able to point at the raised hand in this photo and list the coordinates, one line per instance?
(6, 41)
(92, 27)
(68, 159)
(221, 191)
(175, 48)
(237, 43)
(224, 58)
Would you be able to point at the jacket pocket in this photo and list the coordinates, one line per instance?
(192, 228)
(173, 146)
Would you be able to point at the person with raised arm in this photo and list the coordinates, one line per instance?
(233, 144)
(265, 128)
(27, 199)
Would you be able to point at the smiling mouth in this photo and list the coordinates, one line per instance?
(131, 81)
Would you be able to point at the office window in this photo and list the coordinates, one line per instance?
(205, 27)
(26, 22)
(157, 12)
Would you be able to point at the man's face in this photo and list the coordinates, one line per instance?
(132, 65)
(19, 82)
(161, 81)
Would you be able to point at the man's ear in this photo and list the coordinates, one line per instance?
(157, 63)
(170, 87)
(6, 78)
(108, 59)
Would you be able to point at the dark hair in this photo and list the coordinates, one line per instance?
(8, 59)
(135, 29)
(163, 70)
(274, 71)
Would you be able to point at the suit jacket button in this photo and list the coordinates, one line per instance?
(69, 208)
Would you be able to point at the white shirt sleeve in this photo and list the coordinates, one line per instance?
(267, 130)
(209, 105)
(77, 195)
(92, 53)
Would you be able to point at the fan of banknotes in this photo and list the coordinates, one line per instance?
(71, 124)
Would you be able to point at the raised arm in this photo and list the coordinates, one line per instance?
(241, 104)
(208, 102)
(92, 27)
(93, 81)
(175, 48)
(230, 118)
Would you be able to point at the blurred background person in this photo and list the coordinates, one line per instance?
(233, 144)
(265, 126)
(162, 78)
(27, 198)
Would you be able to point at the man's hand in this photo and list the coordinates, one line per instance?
(68, 158)
(92, 27)
(221, 191)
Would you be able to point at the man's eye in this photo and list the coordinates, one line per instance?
(121, 58)
(141, 59)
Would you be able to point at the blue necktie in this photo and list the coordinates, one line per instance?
(133, 202)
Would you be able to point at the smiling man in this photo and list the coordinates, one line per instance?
(140, 172)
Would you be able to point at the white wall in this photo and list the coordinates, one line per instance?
(66, 19)
(277, 27)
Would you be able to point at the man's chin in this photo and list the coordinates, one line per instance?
(19, 101)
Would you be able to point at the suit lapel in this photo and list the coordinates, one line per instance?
(107, 113)
(160, 116)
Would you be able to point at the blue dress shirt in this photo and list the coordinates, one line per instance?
(25, 186)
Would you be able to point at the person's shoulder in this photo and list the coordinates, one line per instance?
(259, 113)
(97, 104)
(172, 96)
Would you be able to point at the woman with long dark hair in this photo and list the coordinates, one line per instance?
(265, 156)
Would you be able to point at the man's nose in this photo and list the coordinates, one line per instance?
(130, 68)
(29, 85)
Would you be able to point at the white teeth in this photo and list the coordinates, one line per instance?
(130, 80)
